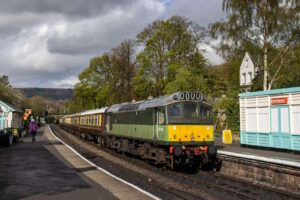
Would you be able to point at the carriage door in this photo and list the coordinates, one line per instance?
(280, 127)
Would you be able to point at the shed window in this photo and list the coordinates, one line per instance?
(284, 121)
(274, 117)
(296, 119)
(263, 119)
(251, 124)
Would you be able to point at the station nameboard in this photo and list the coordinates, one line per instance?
(276, 101)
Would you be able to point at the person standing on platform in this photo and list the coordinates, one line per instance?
(33, 129)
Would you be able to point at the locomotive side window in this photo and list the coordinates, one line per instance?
(161, 116)
(145, 117)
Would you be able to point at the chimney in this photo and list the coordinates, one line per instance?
(150, 97)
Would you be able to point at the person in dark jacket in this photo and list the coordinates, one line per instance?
(33, 129)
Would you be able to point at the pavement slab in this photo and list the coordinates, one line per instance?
(47, 169)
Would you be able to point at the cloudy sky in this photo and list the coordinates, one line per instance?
(47, 43)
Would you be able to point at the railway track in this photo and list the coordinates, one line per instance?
(178, 185)
(222, 188)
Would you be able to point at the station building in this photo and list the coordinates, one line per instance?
(271, 118)
(11, 120)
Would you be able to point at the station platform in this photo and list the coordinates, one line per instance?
(48, 169)
(263, 154)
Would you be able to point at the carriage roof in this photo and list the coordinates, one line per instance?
(96, 111)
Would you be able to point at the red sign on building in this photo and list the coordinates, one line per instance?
(275, 101)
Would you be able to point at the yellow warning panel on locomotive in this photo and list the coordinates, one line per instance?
(227, 137)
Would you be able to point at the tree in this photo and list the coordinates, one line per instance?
(217, 78)
(263, 23)
(231, 106)
(168, 46)
(107, 79)
(38, 105)
(91, 82)
(122, 72)
(6, 93)
(10, 94)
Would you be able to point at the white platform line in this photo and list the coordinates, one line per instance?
(106, 172)
(261, 158)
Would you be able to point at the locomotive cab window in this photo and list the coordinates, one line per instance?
(206, 111)
(174, 110)
(189, 112)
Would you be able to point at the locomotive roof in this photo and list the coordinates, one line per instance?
(157, 102)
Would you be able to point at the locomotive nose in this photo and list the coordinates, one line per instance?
(212, 151)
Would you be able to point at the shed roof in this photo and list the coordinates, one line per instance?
(11, 107)
(271, 92)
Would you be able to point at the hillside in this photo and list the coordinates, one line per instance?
(48, 93)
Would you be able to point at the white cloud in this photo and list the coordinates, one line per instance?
(46, 43)
(68, 82)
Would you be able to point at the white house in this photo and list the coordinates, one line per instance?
(247, 72)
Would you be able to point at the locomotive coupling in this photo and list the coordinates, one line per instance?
(177, 150)
(212, 151)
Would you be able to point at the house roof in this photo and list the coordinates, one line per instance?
(247, 55)
(11, 107)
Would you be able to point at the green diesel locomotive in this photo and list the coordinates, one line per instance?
(172, 130)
